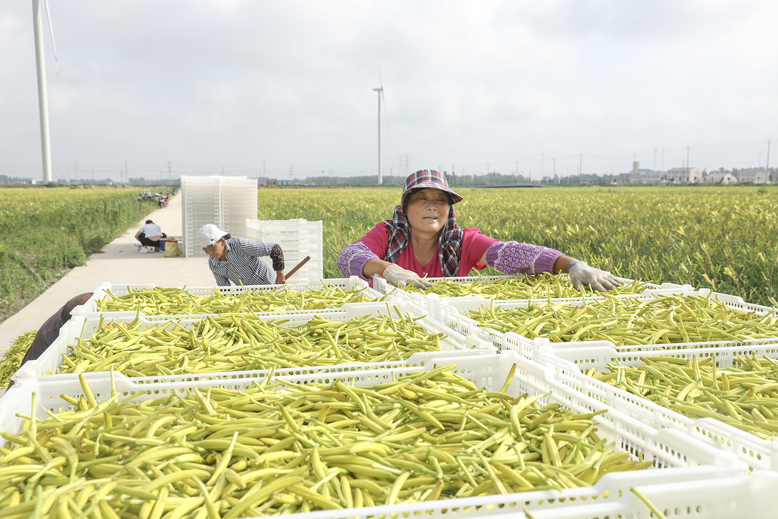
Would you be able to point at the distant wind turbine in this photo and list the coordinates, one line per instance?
(42, 101)
(380, 91)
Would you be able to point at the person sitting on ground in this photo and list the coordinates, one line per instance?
(49, 331)
(238, 259)
(149, 235)
(423, 240)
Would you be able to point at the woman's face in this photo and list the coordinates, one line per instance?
(427, 210)
(216, 250)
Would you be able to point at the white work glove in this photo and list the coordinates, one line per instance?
(399, 277)
(582, 274)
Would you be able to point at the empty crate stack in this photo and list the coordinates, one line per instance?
(223, 201)
(238, 202)
(298, 238)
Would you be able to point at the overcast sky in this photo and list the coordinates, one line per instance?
(280, 85)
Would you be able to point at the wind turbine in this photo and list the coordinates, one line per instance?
(42, 101)
(380, 91)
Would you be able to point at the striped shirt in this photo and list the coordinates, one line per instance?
(243, 264)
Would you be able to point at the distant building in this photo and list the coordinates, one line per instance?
(753, 175)
(684, 175)
(634, 175)
(271, 182)
(720, 178)
(653, 177)
(645, 176)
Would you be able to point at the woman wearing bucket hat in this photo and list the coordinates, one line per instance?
(237, 259)
(423, 240)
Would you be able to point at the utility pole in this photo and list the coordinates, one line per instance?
(554, 167)
(169, 171)
(126, 174)
(767, 167)
(75, 176)
(686, 173)
(580, 167)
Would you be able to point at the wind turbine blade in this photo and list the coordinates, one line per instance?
(51, 28)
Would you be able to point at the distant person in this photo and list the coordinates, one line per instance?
(238, 259)
(49, 331)
(423, 240)
(149, 236)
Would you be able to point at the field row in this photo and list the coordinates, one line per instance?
(714, 237)
(46, 232)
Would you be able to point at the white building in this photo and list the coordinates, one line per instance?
(634, 175)
(753, 175)
(720, 178)
(684, 175)
(646, 176)
(653, 177)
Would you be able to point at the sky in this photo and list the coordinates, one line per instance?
(284, 89)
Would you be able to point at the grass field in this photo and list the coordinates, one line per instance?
(717, 237)
(45, 232)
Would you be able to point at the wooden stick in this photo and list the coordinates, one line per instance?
(303, 262)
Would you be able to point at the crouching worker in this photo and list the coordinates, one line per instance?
(149, 236)
(238, 259)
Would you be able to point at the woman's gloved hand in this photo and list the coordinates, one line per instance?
(399, 277)
(582, 274)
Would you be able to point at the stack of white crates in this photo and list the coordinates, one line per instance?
(239, 201)
(298, 238)
(223, 201)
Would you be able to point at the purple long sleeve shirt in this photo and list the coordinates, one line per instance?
(508, 257)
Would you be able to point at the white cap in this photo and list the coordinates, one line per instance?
(209, 234)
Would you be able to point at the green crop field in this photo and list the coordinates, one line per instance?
(717, 237)
(47, 231)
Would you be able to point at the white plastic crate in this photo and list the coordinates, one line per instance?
(730, 301)
(743, 497)
(51, 359)
(238, 202)
(89, 309)
(678, 458)
(570, 364)
(465, 303)
(200, 205)
(707, 497)
(223, 201)
(445, 313)
(298, 238)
